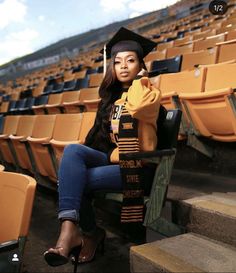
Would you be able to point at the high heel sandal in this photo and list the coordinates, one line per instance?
(99, 246)
(56, 259)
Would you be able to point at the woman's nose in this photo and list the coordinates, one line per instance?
(123, 64)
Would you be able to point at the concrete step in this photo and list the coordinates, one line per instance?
(212, 215)
(184, 253)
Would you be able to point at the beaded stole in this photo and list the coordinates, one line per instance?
(131, 170)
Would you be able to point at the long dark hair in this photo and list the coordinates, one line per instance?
(109, 91)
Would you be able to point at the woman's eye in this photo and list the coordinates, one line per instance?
(131, 60)
(117, 62)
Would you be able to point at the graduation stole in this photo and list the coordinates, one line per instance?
(133, 197)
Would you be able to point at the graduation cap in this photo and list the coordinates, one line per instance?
(127, 40)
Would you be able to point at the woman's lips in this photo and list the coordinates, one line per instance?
(124, 74)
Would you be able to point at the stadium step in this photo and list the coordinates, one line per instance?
(184, 253)
(212, 215)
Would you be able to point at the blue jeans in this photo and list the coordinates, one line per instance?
(82, 171)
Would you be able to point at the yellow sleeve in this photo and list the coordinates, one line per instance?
(143, 100)
(114, 158)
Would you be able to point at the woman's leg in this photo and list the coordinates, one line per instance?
(99, 178)
(73, 177)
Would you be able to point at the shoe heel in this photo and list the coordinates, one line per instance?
(75, 254)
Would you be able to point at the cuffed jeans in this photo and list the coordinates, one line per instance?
(82, 171)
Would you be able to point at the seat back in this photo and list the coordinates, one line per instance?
(16, 202)
(168, 124)
(25, 125)
(67, 127)
(179, 50)
(191, 60)
(183, 82)
(10, 124)
(171, 65)
(43, 126)
(95, 79)
(88, 94)
(215, 80)
(87, 123)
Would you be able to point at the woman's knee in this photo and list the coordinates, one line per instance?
(73, 150)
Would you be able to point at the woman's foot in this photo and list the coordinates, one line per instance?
(69, 242)
(91, 245)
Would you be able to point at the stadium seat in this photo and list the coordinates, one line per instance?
(17, 193)
(171, 65)
(163, 159)
(179, 50)
(38, 107)
(58, 143)
(227, 51)
(174, 84)
(87, 100)
(10, 127)
(155, 55)
(192, 60)
(95, 79)
(66, 128)
(16, 145)
(208, 42)
(212, 113)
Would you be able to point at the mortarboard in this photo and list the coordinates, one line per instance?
(123, 35)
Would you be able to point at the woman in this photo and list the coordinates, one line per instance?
(95, 165)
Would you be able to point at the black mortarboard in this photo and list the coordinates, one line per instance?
(123, 35)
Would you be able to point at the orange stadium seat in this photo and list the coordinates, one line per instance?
(208, 42)
(17, 193)
(66, 128)
(10, 127)
(227, 51)
(213, 111)
(95, 79)
(87, 100)
(192, 60)
(58, 143)
(24, 129)
(179, 50)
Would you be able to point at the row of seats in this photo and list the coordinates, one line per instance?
(206, 98)
(36, 142)
(85, 99)
(220, 52)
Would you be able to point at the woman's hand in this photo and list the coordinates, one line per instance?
(143, 73)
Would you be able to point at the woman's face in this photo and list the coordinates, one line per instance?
(127, 66)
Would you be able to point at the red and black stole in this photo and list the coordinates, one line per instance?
(131, 170)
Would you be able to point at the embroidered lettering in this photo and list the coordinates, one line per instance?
(132, 178)
(130, 164)
(127, 125)
(132, 193)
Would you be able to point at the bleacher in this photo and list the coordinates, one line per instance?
(194, 66)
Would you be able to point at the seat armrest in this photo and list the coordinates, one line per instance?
(9, 245)
(39, 140)
(12, 137)
(71, 102)
(62, 143)
(91, 101)
(4, 136)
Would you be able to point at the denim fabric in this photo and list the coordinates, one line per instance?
(82, 171)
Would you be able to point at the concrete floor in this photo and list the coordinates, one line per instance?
(43, 234)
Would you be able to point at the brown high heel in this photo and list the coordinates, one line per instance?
(99, 246)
